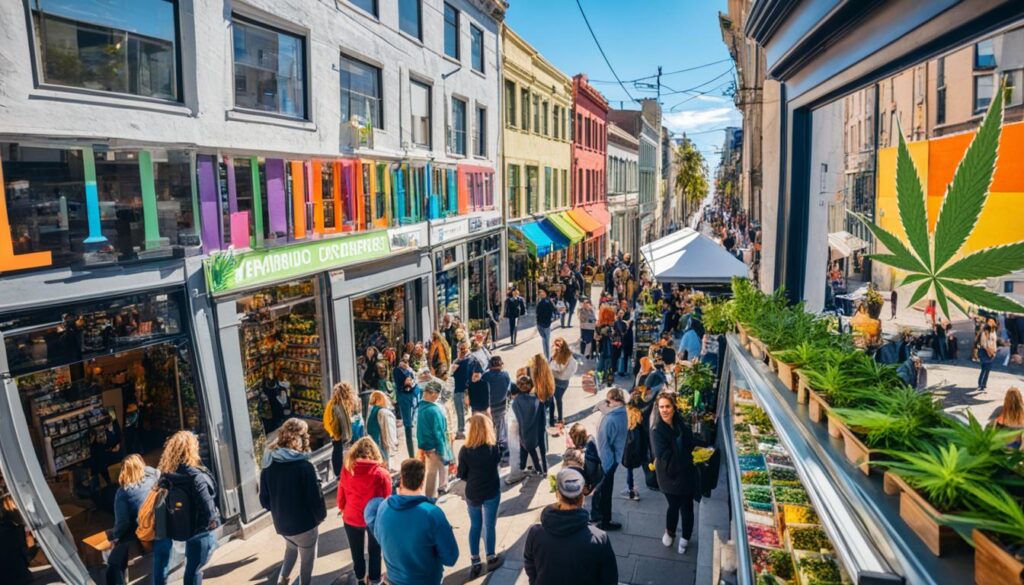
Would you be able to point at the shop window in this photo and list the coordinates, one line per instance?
(510, 104)
(524, 105)
(172, 179)
(480, 133)
(483, 281)
(281, 331)
(448, 279)
(457, 143)
(514, 188)
(536, 113)
(380, 320)
(532, 192)
(547, 188)
(984, 87)
(420, 113)
(270, 69)
(122, 46)
(119, 184)
(410, 19)
(361, 91)
(476, 36)
(451, 31)
(329, 206)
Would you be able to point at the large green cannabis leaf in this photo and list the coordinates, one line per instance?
(927, 260)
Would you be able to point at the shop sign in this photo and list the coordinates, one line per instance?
(408, 238)
(486, 221)
(228, 270)
(449, 231)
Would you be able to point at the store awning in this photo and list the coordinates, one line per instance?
(589, 223)
(565, 225)
(600, 213)
(689, 257)
(844, 244)
(557, 237)
(539, 242)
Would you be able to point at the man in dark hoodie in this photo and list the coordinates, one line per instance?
(565, 534)
(414, 535)
(498, 385)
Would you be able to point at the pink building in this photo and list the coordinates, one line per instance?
(589, 155)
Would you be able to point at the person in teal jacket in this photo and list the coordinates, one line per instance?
(432, 438)
(415, 537)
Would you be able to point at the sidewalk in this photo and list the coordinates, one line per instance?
(641, 557)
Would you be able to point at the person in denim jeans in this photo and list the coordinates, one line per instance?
(478, 467)
(545, 315)
(180, 466)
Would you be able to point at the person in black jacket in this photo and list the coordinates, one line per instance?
(290, 491)
(545, 315)
(564, 548)
(181, 470)
(478, 467)
(515, 307)
(672, 441)
(14, 551)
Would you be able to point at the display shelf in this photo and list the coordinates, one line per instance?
(871, 542)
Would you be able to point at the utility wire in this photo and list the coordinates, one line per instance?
(697, 95)
(694, 68)
(598, 43)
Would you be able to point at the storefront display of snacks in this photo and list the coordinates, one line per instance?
(786, 542)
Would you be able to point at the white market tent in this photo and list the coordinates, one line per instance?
(844, 244)
(689, 257)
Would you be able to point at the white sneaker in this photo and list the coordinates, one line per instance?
(666, 539)
(682, 545)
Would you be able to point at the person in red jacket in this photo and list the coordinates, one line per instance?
(363, 477)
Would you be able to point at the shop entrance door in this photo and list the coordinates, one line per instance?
(24, 477)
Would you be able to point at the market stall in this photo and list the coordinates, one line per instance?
(689, 257)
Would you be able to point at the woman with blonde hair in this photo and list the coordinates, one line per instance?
(478, 467)
(136, 480)
(381, 426)
(439, 356)
(338, 415)
(181, 468)
(1011, 415)
(362, 479)
(563, 368)
(290, 491)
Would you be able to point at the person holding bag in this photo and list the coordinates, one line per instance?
(137, 481)
(290, 491)
(673, 443)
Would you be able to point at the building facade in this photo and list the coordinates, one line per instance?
(190, 240)
(589, 176)
(648, 138)
(536, 162)
(623, 193)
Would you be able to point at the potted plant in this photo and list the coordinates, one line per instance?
(790, 360)
(997, 534)
(874, 302)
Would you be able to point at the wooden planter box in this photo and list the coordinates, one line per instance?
(803, 391)
(744, 337)
(773, 363)
(787, 374)
(992, 564)
(856, 451)
(817, 406)
(835, 426)
(921, 517)
(756, 348)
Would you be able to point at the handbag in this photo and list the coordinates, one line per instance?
(145, 530)
(590, 382)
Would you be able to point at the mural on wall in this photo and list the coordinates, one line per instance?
(931, 261)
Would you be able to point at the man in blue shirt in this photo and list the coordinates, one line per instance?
(462, 371)
(611, 442)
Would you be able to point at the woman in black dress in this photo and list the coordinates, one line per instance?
(672, 441)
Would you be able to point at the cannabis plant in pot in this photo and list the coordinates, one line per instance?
(948, 476)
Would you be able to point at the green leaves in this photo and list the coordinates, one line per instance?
(927, 260)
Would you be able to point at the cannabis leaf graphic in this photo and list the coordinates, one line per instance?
(927, 261)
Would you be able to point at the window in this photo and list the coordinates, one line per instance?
(544, 109)
(524, 104)
(367, 5)
(554, 118)
(536, 114)
(985, 55)
(579, 187)
(510, 104)
(360, 93)
(270, 69)
(547, 188)
(410, 21)
(1014, 81)
(565, 136)
(123, 46)
(532, 194)
(983, 90)
(579, 128)
(940, 106)
(451, 31)
(514, 205)
(458, 140)
(476, 36)
(565, 188)
(587, 133)
(420, 111)
(1008, 287)
(480, 136)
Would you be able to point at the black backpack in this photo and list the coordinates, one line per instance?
(179, 509)
(635, 453)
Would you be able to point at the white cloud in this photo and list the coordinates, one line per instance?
(697, 120)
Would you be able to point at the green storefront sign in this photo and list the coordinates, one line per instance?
(227, 270)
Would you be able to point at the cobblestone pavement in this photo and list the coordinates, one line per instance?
(641, 556)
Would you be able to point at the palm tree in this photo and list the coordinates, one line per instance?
(692, 172)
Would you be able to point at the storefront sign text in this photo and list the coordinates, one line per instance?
(449, 231)
(407, 238)
(228, 271)
(484, 222)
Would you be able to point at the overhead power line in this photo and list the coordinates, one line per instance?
(694, 68)
(599, 48)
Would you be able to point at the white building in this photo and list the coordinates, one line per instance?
(623, 191)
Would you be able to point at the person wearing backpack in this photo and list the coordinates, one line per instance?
(637, 451)
(189, 511)
(290, 491)
(338, 421)
(136, 480)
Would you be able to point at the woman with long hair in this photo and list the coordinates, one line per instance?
(1011, 415)
(338, 414)
(381, 426)
(362, 478)
(181, 468)
(673, 442)
(478, 467)
(539, 371)
(604, 337)
(136, 480)
(563, 367)
(439, 357)
(290, 491)
(646, 367)
(529, 414)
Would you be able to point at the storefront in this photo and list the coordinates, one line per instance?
(466, 253)
(594, 221)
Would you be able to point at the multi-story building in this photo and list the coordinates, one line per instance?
(670, 208)
(536, 162)
(212, 210)
(648, 137)
(589, 152)
(623, 195)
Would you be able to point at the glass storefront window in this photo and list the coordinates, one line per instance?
(172, 177)
(379, 320)
(270, 69)
(449, 284)
(483, 280)
(281, 334)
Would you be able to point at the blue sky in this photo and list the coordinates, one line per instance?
(638, 36)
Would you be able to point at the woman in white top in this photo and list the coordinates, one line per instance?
(563, 367)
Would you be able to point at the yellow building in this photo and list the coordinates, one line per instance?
(536, 141)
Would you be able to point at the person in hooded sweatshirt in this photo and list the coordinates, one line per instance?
(529, 413)
(136, 480)
(363, 478)
(290, 491)
(565, 548)
(414, 535)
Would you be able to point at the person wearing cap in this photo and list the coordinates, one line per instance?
(498, 383)
(432, 437)
(564, 548)
(611, 443)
